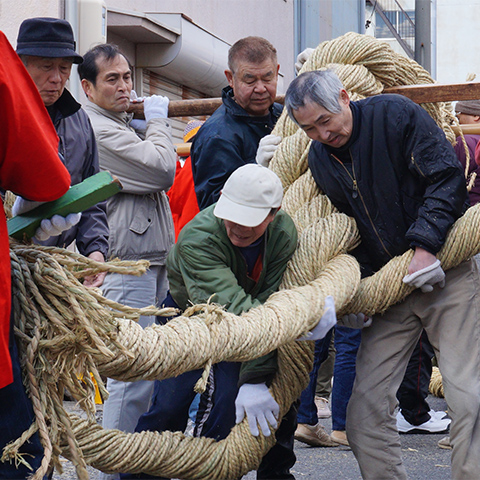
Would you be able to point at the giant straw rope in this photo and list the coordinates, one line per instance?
(65, 329)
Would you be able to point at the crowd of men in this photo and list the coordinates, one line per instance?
(381, 160)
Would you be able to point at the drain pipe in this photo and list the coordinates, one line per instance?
(71, 15)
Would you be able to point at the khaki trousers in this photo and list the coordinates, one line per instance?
(451, 318)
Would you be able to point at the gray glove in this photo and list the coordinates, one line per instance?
(328, 320)
(155, 106)
(256, 401)
(302, 57)
(56, 225)
(427, 277)
(266, 149)
(355, 320)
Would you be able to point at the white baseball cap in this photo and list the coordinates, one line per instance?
(248, 195)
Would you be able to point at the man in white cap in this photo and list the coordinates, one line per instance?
(236, 250)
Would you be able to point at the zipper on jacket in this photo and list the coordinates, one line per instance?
(417, 167)
(356, 193)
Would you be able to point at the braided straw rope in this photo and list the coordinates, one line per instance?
(436, 385)
(65, 329)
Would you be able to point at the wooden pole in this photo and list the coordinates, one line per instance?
(183, 149)
(467, 129)
(429, 93)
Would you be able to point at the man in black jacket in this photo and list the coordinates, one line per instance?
(47, 49)
(384, 161)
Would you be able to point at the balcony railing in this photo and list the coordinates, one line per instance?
(394, 21)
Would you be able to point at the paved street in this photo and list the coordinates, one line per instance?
(422, 458)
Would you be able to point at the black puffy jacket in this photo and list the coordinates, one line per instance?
(225, 142)
(410, 187)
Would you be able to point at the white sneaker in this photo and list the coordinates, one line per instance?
(323, 409)
(434, 425)
(437, 415)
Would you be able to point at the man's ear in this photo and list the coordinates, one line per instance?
(229, 75)
(344, 98)
(87, 86)
(476, 118)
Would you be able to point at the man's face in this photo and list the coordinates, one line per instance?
(466, 118)
(254, 85)
(242, 236)
(333, 129)
(113, 85)
(50, 75)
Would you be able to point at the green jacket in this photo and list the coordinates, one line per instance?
(204, 262)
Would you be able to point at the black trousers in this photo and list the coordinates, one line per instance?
(413, 391)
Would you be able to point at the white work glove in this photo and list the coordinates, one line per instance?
(56, 225)
(355, 320)
(328, 320)
(155, 106)
(266, 149)
(302, 57)
(134, 98)
(427, 277)
(21, 206)
(255, 401)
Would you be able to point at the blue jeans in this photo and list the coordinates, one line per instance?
(347, 341)
(307, 412)
(169, 411)
(216, 418)
(16, 416)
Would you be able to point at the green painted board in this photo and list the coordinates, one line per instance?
(81, 196)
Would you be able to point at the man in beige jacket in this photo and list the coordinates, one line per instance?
(139, 216)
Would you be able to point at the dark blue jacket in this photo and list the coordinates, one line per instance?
(79, 151)
(410, 187)
(225, 142)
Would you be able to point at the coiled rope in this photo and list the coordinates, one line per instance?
(65, 329)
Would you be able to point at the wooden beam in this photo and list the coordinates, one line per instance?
(467, 129)
(435, 92)
(429, 93)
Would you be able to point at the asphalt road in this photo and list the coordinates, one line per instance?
(421, 455)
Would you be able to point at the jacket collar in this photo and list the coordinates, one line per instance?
(64, 107)
(120, 117)
(235, 109)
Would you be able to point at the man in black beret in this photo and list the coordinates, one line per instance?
(47, 49)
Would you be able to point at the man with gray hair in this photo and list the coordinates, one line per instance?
(385, 162)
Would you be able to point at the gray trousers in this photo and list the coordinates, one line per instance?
(129, 400)
(451, 318)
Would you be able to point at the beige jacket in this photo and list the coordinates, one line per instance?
(139, 217)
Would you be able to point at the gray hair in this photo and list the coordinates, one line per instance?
(320, 86)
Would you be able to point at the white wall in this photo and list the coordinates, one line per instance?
(231, 20)
(458, 52)
(13, 12)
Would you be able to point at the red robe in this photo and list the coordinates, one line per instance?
(29, 166)
(183, 200)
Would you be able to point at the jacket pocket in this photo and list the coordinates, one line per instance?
(144, 216)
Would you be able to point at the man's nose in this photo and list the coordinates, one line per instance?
(260, 86)
(122, 85)
(55, 75)
(323, 134)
